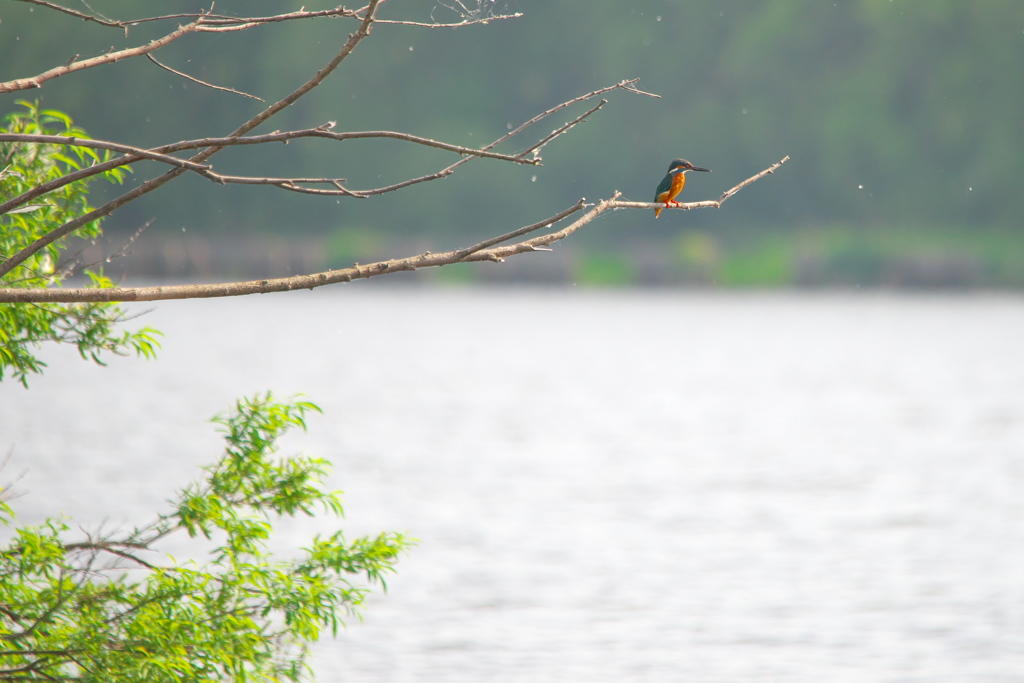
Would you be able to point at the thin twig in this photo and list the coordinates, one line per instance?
(196, 80)
(536, 148)
(730, 192)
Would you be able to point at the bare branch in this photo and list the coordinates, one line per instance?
(631, 87)
(771, 169)
(108, 58)
(459, 149)
(134, 154)
(72, 141)
(196, 80)
(462, 254)
(710, 204)
(485, 251)
(707, 204)
(467, 22)
(226, 23)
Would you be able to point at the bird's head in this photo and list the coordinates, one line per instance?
(682, 166)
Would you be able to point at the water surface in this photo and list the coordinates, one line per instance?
(642, 486)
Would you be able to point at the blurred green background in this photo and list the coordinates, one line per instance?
(904, 121)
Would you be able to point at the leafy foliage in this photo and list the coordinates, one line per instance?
(24, 328)
(79, 611)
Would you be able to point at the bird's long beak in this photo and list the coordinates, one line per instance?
(698, 168)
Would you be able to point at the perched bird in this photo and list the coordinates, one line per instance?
(672, 184)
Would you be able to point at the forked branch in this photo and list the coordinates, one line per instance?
(484, 251)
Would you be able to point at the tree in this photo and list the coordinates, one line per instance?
(103, 609)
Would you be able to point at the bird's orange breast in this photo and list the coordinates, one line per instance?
(678, 181)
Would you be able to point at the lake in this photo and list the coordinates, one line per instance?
(606, 485)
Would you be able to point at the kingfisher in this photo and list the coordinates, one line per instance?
(672, 184)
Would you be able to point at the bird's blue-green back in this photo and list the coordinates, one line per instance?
(664, 186)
